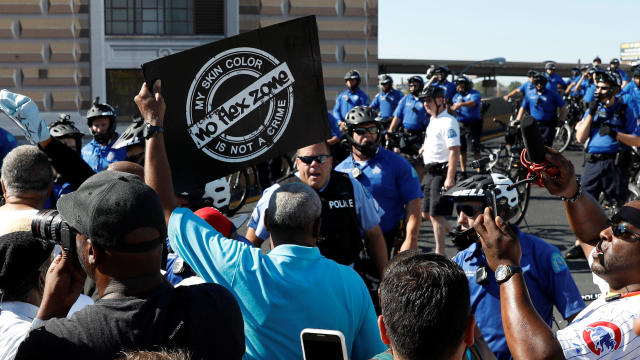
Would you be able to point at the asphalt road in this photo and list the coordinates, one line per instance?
(544, 218)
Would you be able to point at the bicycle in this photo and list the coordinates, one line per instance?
(565, 134)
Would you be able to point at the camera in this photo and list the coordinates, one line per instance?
(49, 225)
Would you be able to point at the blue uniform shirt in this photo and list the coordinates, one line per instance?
(623, 74)
(547, 277)
(605, 144)
(367, 210)
(542, 106)
(391, 180)
(100, 156)
(589, 92)
(7, 143)
(335, 128)
(347, 100)
(448, 87)
(632, 97)
(469, 114)
(584, 85)
(59, 189)
(412, 113)
(386, 103)
(526, 88)
(553, 80)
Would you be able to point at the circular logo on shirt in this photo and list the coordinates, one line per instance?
(111, 156)
(239, 104)
(602, 337)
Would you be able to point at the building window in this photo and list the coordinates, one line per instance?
(164, 17)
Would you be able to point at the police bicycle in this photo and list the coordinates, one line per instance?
(565, 133)
(405, 143)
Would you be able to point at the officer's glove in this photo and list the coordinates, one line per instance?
(593, 107)
(607, 130)
(25, 112)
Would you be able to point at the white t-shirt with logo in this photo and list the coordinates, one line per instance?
(443, 132)
(603, 330)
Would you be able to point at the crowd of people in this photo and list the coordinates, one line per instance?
(137, 270)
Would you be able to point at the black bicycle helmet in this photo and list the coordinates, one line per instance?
(384, 79)
(550, 66)
(416, 79)
(609, 77)
(575, 71)
(442, 70)
(432, 92)
(352, 74)
(465, 82)
(614, 61)
(65, 128)
(132, 135)
(540, 79)
(531, 73)
(597, 58)
(102, 110)
(636, 72)
(357, 116)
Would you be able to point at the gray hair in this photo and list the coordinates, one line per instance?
(293, 209)
(26, 168)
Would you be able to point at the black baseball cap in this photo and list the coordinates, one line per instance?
(21, 256)
(111, 204)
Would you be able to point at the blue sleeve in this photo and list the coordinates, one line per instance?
(559, 100)
(566, 296)
(476, 97)
(366, 99)
(398, 112)
(375, 104)
(7, 143)
(631, 123)
(456, 98)
(212, 256)
(407, 181)
(336, 108)
(623, 75)
(256, 221)
(522, 87)
(561, 81)
(333, 124)
(367, 208)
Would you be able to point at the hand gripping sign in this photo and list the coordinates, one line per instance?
(241, 100)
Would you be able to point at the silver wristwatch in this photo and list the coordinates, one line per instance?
(504, 272)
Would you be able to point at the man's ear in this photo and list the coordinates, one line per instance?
(383, 331)
(4, 192)
(469, 332)
(93, 253)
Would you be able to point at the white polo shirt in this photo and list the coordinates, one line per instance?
(443, 132)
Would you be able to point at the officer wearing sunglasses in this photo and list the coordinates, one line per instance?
(349, 213)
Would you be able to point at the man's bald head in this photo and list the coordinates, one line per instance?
(127, 167)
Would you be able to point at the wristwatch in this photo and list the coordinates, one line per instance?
(149, 130)
(505, 272)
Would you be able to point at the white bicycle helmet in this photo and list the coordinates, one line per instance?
(474, 187)
(219, 192)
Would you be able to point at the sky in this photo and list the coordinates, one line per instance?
(559, 30)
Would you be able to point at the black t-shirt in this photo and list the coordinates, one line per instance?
(203, 319)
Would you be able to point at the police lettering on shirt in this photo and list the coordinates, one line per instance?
(338, 204)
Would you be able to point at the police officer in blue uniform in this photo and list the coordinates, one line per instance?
(411, 114)
(525, 88)
(543, 105)
(467, 103)
(386, 101)
(439, 78)
(605, 169)
(631, 93)
(573, 79)
(545, 272)
(553, 79)
(351, 97)
(387, 176)
(98, 153)
(614, 66)
(7, 143)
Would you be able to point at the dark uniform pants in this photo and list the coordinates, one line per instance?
(547, 131)
(603, 176)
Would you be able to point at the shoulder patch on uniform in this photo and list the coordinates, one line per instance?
(414, 174)
(558, 263)
(451, 134)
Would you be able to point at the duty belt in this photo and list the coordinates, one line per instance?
(436, 168)
(597, 157)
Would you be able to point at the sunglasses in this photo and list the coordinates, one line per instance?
(321, 159)
(368, 130)
(469, 210)
(603, 87)
(622, 231)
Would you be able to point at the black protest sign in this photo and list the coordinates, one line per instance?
(241, 100)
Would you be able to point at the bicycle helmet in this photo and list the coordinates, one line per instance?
(475, 188)
(614, 61)
(550, 66)
(597, 59)
(636, 72)
(102, 110)
(416, 79)
(384, 79)
(132, 135)
(531, 73)
(65, 128)
(540, 79)
(218, 193)
(352, 74)
(360, 115)
(465, 82)
(432, 92)
(575, 71)
(610, 77)
(442, 70)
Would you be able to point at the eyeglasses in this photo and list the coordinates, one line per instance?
(603, 87)
(321, 159)
(469, 210)
(622, 231)
(368, 130)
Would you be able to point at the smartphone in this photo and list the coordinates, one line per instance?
(321, 344)
(490, 201)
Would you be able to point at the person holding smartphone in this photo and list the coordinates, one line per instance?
(544, 269)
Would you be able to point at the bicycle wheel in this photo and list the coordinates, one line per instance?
(239, 188)
(524, 192)
(563, 138)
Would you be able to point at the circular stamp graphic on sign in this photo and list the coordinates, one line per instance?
(239, 104)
